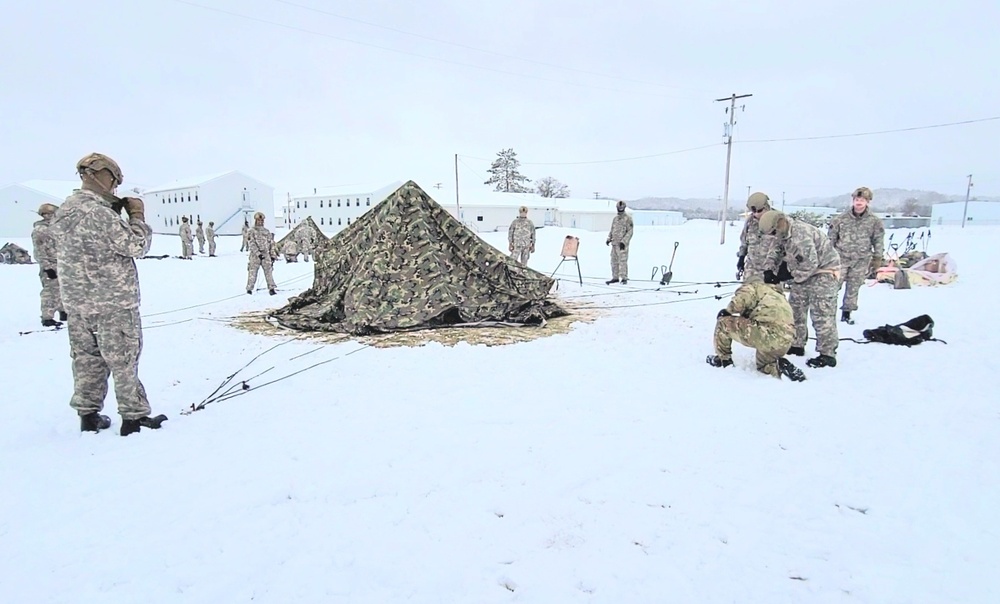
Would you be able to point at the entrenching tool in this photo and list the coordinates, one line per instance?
(667, 276)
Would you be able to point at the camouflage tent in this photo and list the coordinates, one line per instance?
(409, 264)
(293, 235)
(12, 253)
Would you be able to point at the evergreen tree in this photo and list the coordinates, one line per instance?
(504, 175)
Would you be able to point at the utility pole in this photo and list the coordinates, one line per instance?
(597, 194)
(965, 209)
(458, 207)
(748, 191)
(729, 155)
(782, 201)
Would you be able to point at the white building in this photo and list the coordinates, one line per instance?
(226, 199)
(657, 218)
(19, 203)
(333, 208)
(979, 212)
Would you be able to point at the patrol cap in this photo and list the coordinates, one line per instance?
(47, 208)
(864, 192)
(95, 162)
(769, 221)
(757, 201)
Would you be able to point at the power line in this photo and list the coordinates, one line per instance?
(605, 161)
(414, 54)
(482, 50)
(871, 133)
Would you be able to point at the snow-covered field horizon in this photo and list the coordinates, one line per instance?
(607, 464)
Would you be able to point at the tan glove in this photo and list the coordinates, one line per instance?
(135, 208)
(876, 263)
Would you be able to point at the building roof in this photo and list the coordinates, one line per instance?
(189, 183)
(364, 188)
(57, 189)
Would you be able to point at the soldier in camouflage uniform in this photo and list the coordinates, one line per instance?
(521, 237)
(246, 232)
(619, 238)
(45, 254)
(199, 233)
(100, 290)
(187, 240)
(291, 250)
(260, 244)
(858, 236)
(760, 317)
(754, 245)
(306, 243)
(804, 255)
(210, 236)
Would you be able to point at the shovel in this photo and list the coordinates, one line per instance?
(667, 276)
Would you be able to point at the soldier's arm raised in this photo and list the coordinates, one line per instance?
(130, 239)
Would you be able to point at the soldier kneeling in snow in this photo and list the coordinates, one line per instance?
(760, 317)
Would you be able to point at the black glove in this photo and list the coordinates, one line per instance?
(50, 273)
(723, 313)
(261, 257)
(770, 278)
(741, 263)
(607, 242)
(783, 273)
(621, 246)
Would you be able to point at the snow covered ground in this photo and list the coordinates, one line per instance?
(610, 464)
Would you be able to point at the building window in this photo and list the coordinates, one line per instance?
(357, 202)
(338, 203)
(338, 220)
(196, 195)
(297, 204)
(348, 220)
(479, 218)
(189, 197)
(165, 222)
(321, 218)
(305, 204)
(368, 201)
(321, 203)
(163, 201)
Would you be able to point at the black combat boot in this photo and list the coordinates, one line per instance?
(716, 361)
(94, 422)
(250, 292)
(624, 281)
(63, 316)
(615, 280)
(790, 371)
(130, 426)
(51, 323)
(823, 360)
(845, 317)
(798, 351)
(272, 291)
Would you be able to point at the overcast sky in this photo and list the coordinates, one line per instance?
(384, 90)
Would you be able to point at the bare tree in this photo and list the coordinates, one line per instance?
(504, 173)
(550, 187)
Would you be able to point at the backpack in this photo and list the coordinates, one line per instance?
(910, 333)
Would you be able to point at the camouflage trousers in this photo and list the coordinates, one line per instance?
(187, 249)
(816, 297)
(211, 247)
(51, 300)
(770, 341)
(243, 246)
(201, 245)
(853, 273)
(305, 253)
(619, 262)
(521, 255)
(101, 345)
(255, 264)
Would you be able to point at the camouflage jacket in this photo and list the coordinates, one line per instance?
(305, 238)
(856, 237)
(260, 242)
(762, 303)
(806, 250)
(521, 233)
(185, 232)
(45, 246)
(210, 233)
(621, 229)
(95, 250)
(291, 246)
(199, 233)
(756, 246)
